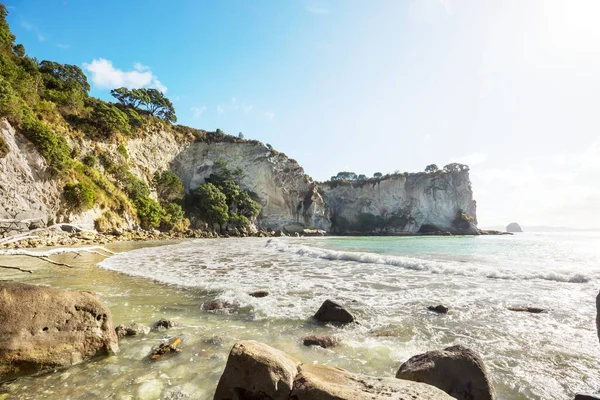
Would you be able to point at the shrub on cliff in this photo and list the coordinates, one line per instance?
(54, 148)
(169, 187)
(149, 212)
(3, 147)
(431, 168)
(79, 196)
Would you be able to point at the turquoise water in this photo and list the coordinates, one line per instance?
(388, 282)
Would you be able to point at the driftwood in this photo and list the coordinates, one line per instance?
(44, 256)
(17, 268)
(29, 235)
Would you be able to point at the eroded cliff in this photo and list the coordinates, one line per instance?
(403, 203)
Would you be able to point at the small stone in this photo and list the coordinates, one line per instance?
(163, 324)
(322, 341)
(217, 305)
(533, 310)
(259, 293)
(131, 330)
(440, 309)
(172, 346)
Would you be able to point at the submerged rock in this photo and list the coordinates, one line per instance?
(331, 311)
(131, 330)
(440, 309)
(323, 341)
(456, 370)
(217, 305)
(171, 346)
(259, 293)
(43, 327)
(163, 324)
(257, 371)
(533, 310)
(586, 397)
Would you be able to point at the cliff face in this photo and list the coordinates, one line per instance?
(414, 203)
(288, 196)
(290, 200)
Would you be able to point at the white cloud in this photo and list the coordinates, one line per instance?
(198, 111)
(106, 76)
(41, 37)
(270, 115)
(317, 8)
(471, 159)
(559, 190)
(220, 110)
(63, 46)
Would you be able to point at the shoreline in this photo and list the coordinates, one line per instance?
(77, 237)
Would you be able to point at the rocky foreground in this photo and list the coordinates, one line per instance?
(42, 328)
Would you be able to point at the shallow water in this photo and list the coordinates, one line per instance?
(388, 283)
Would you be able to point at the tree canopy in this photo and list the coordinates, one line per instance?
(151, 100)
(456, 167)
(431, 168)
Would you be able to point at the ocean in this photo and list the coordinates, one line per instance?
(388, 283)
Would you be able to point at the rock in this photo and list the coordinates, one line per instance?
(168, 347)
(42, 327)
(319, 382)
(37, 224)
(598, 315)
(586, 397)
(331, 311)
(259, 293)
(513, 227)
(163, 324)
(440, 309)
(533, 310)
(323, 341)
(456, 370)
(176, 394)
(257, 371)
(131, 330)
(217, 305)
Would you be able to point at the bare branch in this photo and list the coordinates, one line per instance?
(17, 268)
(44, 256)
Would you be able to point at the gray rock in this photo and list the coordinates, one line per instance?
(259, 293)
(163, 324)
(586, 397)
(333, 312)
(513, 227)
(529, 309)
(456, 370)
(440, 309)
(131, 330)
(322, 341)
(217, 305)
(42, 327)
(598, 315)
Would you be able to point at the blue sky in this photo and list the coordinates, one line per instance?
(509, 87)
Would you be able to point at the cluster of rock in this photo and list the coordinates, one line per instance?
(257, 371)
(73, 236)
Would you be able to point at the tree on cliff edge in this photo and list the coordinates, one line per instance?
(152, 100)
(431, 168)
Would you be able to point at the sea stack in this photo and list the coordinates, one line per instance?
(513, 227)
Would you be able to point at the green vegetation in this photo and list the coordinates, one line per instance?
(54, 148)
(221, 200)
(3, 147)
(169, 187)
(431, 168)
(152, 101)
(80, 196)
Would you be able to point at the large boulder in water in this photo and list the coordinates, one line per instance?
(513, 227)
(456, 370)
(257, 371)
(333, 312)
(42, 327)
(598, 315)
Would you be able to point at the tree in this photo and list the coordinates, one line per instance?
(377, 175)
(361, 177)
(431, 168)
(345, 175)
(456, 167)
(108, 119)
(19, 50)
(212, 203)
(152, 100)
(6, 37)
(63, 77)
(169, 187)
(240, 135)
(246, 206)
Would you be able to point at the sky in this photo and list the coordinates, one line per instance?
(509, 87)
